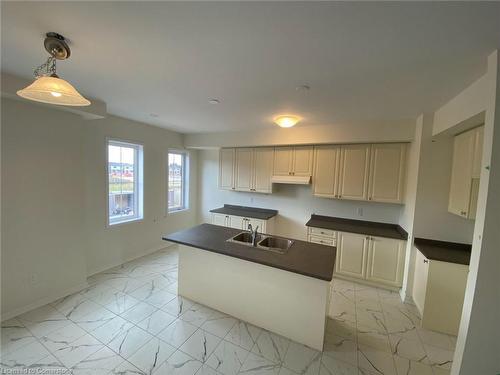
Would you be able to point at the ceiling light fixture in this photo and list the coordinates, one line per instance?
(286, 121)
(48, 87)
(214, 101)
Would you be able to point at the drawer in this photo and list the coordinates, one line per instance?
(322, 232)
(322, 240)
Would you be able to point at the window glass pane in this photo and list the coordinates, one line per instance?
(122, 180)
(176, 182)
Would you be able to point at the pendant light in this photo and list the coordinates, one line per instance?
(48, 87)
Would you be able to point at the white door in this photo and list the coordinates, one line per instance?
(226, 168)
(302, 161)
(220, 219)
(282, 161)
(263, 170)
(420, 280)
(325, 177)
(236, 222)
(243, 169)
(461, 173)
(387, 167)
(354, 172)
(385, 261)
(351, 254)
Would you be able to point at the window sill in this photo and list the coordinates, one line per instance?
(120, 223)
(173, 212)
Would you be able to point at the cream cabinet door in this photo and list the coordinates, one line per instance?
(387, 171)
(220, 219)
(351, 254)
(283, 158)
(420, 280)
(385, 261)
(302, 161)
(263, 170)
(244, 169)
(461, 173)
(256, 223)
(478, 152)
(325, 176)
(226, 168)
(236, 222)
(353, 182)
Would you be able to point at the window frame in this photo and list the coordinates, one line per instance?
(185, 181)
(138, 181)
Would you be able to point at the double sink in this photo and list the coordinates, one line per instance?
(269, 243)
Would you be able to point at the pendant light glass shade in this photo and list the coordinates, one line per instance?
(53, 90)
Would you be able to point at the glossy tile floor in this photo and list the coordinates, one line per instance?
(131, 321)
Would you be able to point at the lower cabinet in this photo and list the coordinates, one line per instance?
(351, 255)
(438, 293)
(240, 222)
(376, 260)
(385, 262)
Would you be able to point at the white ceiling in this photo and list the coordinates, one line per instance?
(363, 61)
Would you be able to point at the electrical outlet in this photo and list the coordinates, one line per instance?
(360, 211)
(34, 279)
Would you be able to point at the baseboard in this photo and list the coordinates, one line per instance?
(165, 245)
(367, 283)
(43, 301)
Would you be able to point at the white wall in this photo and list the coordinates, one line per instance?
(110, 246)
(353, 132)
(54, 231)
(479, 334)
(43, 247)
(295, 203)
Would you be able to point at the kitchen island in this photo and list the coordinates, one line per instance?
(286, 293)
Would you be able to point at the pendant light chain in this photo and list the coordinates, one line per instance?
(47, 69)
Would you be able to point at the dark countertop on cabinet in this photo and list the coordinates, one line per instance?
(443, 251)
(253, 212)
(305, 258)
(370, 228)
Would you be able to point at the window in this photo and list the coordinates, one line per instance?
(125, 180)
(177, 181)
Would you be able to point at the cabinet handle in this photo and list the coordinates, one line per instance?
(426, 261)
(367, 237)
(370, 198)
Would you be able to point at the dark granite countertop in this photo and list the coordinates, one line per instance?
(443, 251)
(253, 212)
(302, 257)
(371, 228)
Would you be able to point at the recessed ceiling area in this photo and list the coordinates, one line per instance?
(362, 61)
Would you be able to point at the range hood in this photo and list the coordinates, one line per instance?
(295, 180)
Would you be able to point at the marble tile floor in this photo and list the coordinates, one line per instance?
(131, 321)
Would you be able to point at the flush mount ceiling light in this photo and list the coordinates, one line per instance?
(214, 101)
(48, 87)
(286, 121)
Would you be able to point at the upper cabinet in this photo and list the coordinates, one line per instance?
(293, 161)
(326, 167)
(367, 172)
(354, 164)
(226, 168)
(246, 169)
(465, 173)
(387, 162)
(360, 172)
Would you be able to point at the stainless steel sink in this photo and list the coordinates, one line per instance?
(245, 237)
(266, 243)
(276, 243)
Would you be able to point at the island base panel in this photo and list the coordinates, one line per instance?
(283, 302)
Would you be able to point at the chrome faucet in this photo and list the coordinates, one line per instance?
(253, 233)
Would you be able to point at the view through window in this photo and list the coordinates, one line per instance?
(124, 182)
(176, 181)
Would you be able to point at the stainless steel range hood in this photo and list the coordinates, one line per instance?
(294, 180)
